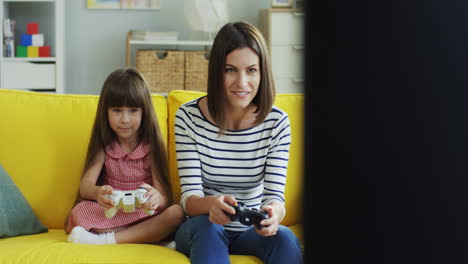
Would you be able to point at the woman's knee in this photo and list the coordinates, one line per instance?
(285, 247)
(285, 236)
(199, 229)
(204, 227)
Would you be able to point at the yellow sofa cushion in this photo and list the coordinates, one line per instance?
(52, 247)
(292, 104)
(43, 139)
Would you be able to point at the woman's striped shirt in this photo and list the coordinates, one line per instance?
(249, 164)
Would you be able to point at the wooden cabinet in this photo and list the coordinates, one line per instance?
(283, 31)
(24, 74)
(39, 73)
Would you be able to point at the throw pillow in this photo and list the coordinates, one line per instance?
(16, 216)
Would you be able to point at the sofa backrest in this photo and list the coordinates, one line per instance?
(44, 138)
(293, 104)
(43, 143)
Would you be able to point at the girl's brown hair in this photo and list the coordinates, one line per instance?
(127, 87)
(230, 37)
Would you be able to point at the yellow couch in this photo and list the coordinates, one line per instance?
(43, 141)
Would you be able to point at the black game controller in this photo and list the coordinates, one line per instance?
(248, 216)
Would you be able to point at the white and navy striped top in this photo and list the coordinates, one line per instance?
(249, 164)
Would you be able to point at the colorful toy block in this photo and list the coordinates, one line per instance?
(26, 40)
(33, 51)
(32, 44)
(21, 51)
(38, 40)
(44, 51)
(33, 28)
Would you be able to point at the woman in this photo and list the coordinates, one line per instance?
(233, 146)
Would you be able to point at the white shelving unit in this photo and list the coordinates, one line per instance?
(166, 44)
(283, 31)
(37, 74)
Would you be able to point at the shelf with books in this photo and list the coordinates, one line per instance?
(38, 55)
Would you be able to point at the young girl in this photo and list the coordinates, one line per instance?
(126, 151)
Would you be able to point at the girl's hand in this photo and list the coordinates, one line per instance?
(102, 198)
(154, 197)
(270, 225)
(220, 209)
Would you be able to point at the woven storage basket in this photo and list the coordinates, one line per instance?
(196, 71)
(162, 69)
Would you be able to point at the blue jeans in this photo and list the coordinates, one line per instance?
(205, 243)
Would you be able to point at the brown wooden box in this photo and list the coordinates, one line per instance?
(163, 69)
(196, 70)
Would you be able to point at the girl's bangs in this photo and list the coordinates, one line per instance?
(124, 94)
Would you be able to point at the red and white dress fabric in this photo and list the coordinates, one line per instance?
(123, 171)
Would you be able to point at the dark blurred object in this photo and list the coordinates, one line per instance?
(387, 146)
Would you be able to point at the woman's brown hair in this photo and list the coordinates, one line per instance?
(230, 37)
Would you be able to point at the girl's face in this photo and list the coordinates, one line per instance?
(125, 121)
(241, 77)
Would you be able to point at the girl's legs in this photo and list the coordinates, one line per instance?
(79, 235)
(154, 229)
(284, 247)
(203, 241)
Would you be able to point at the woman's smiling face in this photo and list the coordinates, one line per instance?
(241, 77)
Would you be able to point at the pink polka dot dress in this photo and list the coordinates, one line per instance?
(123, 171)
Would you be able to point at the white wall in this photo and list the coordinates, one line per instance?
(95, 39)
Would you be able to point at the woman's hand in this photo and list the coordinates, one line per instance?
(270, 225)
(102, 198)
(154, 197)
(220, 209)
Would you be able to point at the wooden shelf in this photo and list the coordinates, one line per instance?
(35, 73)
(28, 0)
(39, 59)
(171, 42)
(131, 42)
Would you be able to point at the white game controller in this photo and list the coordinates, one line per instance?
(127, 201)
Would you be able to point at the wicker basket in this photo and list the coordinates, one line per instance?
(196, 70)
(162, 69)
